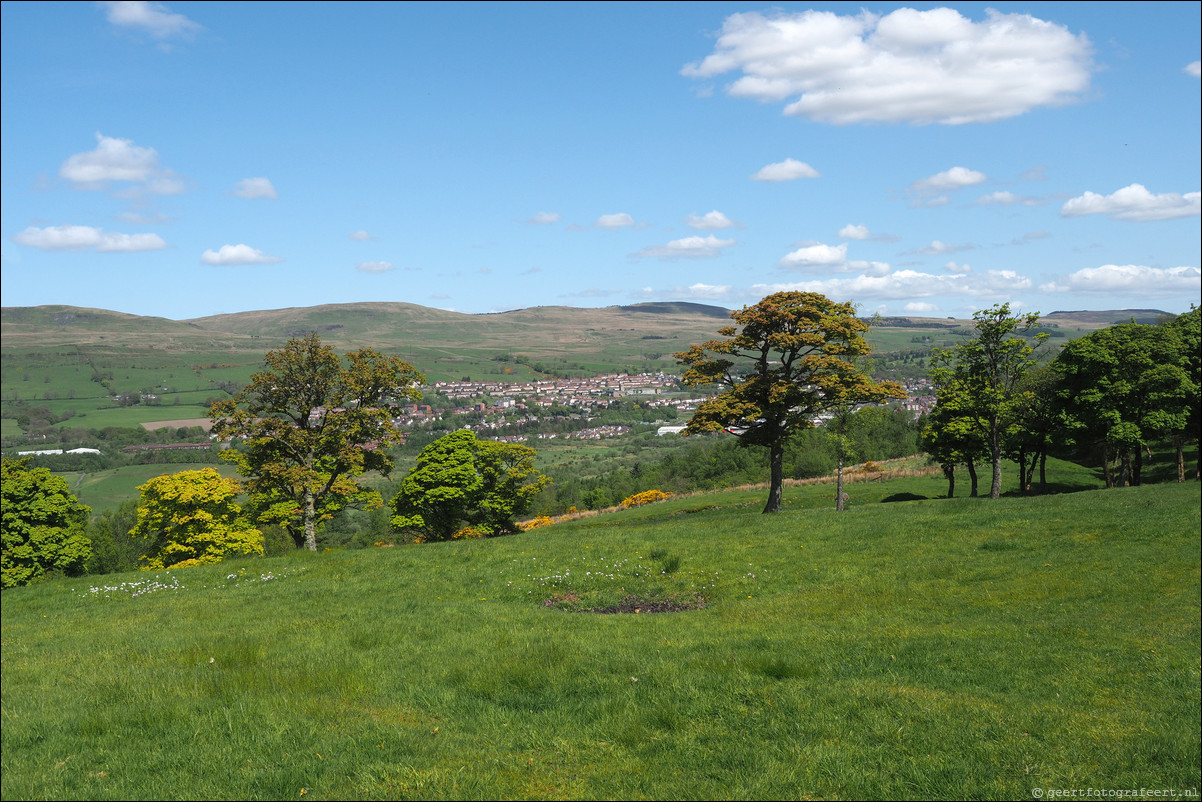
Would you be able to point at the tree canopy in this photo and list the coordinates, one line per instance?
(981, 379)
(190, 518)
(790, 357)
(1128, 384)
(43, 525)
(312, 426)
(460, 482)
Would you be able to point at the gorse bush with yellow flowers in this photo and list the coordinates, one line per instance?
(646, 497)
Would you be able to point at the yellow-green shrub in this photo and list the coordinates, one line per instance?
(646, 497)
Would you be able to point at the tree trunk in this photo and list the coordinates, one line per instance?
(949, 470)
(1030, 475)
(972, 476)
(1180, 460)
(995, 447)
(1137, 468)
(1106, 477)
(1022, 471)
(776, 461)
(1043, 471)
(839, 484)
(310, 521)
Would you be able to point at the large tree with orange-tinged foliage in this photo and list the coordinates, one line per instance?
(791, 357)
(311, 427)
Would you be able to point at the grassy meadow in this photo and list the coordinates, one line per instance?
(926, 649)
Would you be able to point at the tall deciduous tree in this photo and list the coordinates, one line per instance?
(1125, 386)
(42, 525)
(459, 480)
(790, 357)
(312, 426)
(953, 438)
(986, 373)
(1188, 328)
(190, 518)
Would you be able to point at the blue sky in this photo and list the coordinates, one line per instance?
(189, 159)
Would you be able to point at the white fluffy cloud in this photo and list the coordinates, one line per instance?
(79, 238)
(615, 221)
(850, 231)
(1194, 68)
(953, 267)
(903, 284)
(360, 236)
(693, 292)
(120, 160)
(686, 248)
(710, 221)
(1132, 279)
(1135, 202)
(374, 267)
(152, 18)
(921, 307)
(252, 188)
(911, 66)
(947, 181)
(788, 170)
(1005, 198)
(818, 255)
(238, 255)
(544, 218)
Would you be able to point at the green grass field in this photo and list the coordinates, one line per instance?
(933, 649)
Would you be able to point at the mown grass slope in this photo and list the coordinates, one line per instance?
(924, 649)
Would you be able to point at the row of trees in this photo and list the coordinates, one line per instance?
(1113, 393)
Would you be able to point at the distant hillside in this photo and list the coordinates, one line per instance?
(40, 326)
(1100, 320)
(521, 344)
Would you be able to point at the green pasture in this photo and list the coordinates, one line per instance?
(923, 649)
(105, 490)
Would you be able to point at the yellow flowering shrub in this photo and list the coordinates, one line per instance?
(646, 497)
(535, 523)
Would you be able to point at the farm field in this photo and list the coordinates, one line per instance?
(919, 649)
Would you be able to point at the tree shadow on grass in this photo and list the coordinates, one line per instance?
(904, 497)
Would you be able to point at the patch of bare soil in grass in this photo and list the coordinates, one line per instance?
(570, 602)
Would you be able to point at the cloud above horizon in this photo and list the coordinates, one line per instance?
(710, 221)
(908, 66)
(903, 284)
(1132, 279)
(788, 170)
(81, 238)
(947, 181)
(687, 248)
(238, 255)
(1135, 202)
(253, 188)
(152, 18)
(613, 222)
(120, 160)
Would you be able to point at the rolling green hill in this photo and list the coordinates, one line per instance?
(74, 360)
(923, 649)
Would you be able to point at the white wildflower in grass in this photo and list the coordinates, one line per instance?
(158, 583)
